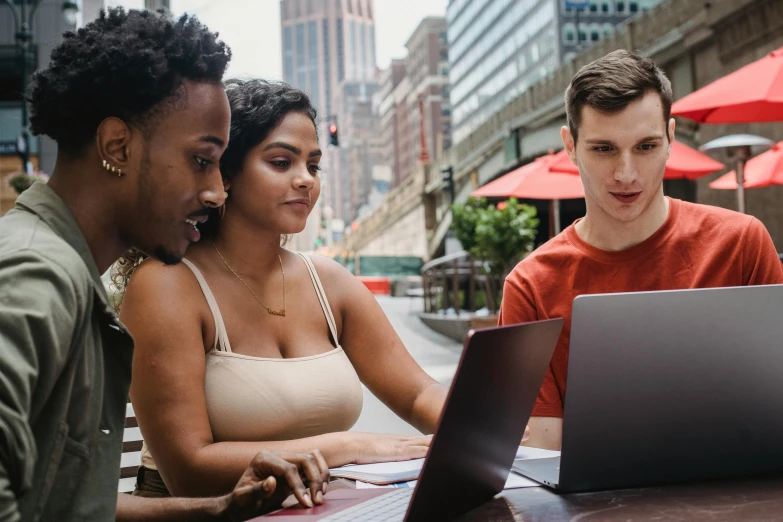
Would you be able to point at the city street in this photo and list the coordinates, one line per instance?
(438, 355)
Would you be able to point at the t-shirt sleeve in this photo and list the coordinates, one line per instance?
(761, 264)
(518, 306)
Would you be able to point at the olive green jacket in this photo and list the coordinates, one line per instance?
(65, 368)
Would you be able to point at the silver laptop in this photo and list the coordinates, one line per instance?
(669, 387)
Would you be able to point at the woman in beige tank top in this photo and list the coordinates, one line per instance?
(246, 346)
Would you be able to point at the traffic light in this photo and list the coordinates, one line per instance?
(448, 180)
(333, 138)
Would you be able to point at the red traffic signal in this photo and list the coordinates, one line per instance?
(333, 139)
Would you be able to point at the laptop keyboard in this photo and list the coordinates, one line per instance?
(390, 507)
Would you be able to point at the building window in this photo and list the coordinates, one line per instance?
(340, 51)
(569, 33)
(633, 7)
(288, 55)
(372, 48)
(582, 33)
(301, 65)
(606, 7)
(620, 7)
(352, 54)
(364, 74)
(327, 68)
(312, 51)
(608, 29)
(595, 32)
(594, 6)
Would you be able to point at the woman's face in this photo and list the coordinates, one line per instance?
(279, 185)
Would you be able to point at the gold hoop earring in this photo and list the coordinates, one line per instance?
(222, 211)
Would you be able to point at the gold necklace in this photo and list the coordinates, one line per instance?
(273, 312)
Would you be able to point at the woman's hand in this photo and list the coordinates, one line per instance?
(368, 448)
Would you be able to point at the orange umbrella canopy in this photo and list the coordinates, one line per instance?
(533, 181)
(764, 170)
(683, 163)
(751, 94)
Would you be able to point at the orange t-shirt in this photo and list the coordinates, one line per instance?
(698, 246)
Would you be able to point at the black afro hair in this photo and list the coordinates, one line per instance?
(124, 65)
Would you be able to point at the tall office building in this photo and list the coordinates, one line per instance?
(326, 42)
(329, 52)
(392, 100)
(498, 48)
(416, 90)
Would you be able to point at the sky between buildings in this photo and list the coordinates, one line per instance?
(252, 29)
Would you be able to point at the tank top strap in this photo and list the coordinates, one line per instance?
(321, 293)
(221, 337)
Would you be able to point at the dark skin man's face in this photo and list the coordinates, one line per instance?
(178, 172)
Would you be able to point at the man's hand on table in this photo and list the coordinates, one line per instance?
(271, 478)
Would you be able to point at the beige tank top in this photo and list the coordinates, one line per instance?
(266, 399)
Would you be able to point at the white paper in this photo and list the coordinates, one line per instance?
(383, 468)
(525, 453)
(516, 481)
(412, 466)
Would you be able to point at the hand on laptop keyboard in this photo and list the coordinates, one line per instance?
(271, 478)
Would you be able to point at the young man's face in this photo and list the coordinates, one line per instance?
(622, 157)
(179, 176)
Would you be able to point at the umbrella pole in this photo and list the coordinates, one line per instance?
(556, 214)
(741, 184)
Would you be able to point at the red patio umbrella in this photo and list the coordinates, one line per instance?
(534, 181)
(683, 163)
(753, 93)
(764, 170)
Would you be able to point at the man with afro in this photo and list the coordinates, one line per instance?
(135, 103)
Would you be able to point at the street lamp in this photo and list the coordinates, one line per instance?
(23, 23)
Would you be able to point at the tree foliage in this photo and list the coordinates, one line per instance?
(501, 235)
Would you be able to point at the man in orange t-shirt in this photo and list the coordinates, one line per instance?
(632, 238)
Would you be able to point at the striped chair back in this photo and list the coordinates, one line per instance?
(131, 451)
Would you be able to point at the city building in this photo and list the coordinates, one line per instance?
(329, 52)
(326, 42)
(392, 110)
(360, 146)
(415, 90)
(48, 24)
(428, 73)
(498, 48)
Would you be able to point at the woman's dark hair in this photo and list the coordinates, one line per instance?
(257, 107)
(124, 64)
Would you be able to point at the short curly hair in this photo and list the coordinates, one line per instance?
(124, 64)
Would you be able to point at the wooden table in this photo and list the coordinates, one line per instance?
(746, 500)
